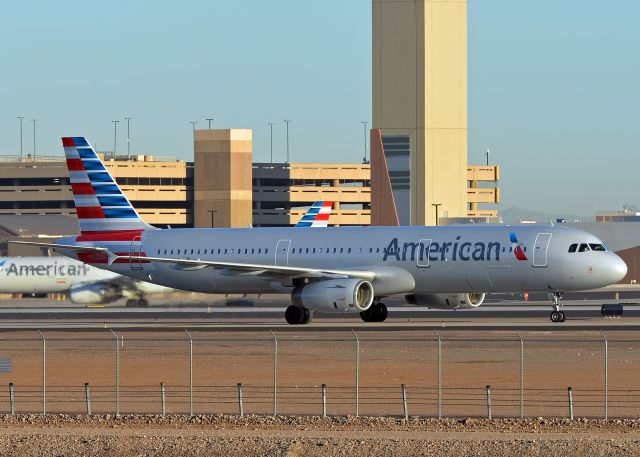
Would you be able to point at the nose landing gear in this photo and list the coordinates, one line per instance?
(557, 315)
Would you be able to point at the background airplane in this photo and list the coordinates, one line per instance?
(333, 269)
(83, 283)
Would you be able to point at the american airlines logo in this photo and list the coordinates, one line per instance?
(457, 250)
(45, 270)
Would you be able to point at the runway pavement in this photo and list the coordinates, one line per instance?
(178, 313)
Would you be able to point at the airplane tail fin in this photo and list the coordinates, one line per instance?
(317, 215)
(101, 205)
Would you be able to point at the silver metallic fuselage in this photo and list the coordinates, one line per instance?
(467, 258)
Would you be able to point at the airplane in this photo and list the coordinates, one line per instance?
(83, 283)
(316, 216)
(332, 269)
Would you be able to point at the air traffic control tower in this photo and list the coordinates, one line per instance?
(420, 109)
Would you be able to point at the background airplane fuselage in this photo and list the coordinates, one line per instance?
(46, 274)
(471, 258)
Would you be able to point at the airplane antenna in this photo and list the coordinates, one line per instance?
(551, 222)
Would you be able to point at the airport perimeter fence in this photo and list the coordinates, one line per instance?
(410, 374)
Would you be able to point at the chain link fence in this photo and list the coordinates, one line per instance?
(417, 373)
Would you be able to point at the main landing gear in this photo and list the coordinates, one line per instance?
(377, 312)
(139, 303)
(296, 315)
(557, 315)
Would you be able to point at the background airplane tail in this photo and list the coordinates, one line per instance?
(317, 215)
(101, 205)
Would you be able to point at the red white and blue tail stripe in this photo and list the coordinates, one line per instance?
(103, 209)
(317, 215)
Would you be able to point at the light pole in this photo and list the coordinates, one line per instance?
(21, 118)
(210, 119)
(487, 154)
(128, 138)
(436, 207)
(212, 212)
(34, 137)
(270, 124)
(364, 160)
(115, 138)
(193, 127)
(287, 122)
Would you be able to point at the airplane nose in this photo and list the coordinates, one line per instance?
(617, 269)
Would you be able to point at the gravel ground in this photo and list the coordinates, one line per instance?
(35, 435)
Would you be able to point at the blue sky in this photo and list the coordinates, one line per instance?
(552, 84)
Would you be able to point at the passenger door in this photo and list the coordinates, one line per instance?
(422, 254)
(540, 248)
(282, 252)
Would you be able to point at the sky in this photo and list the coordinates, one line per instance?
(552, 85)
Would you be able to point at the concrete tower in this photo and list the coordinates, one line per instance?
(420, 104)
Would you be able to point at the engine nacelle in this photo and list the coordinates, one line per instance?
(88, 294)
(446, 301)
(334, 295)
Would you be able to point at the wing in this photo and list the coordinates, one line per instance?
(256, 269)
(69, 247)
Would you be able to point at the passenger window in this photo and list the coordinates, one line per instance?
(307, 251)
(573, 247)
(158, 251)
(349, 250)
(172, 252)
(266, 251)
(314, 250)
(377, 250)
(341, 250)
(584, 247)
(597, 247)
(218, 251)
(165, 252)
(253, 251)
(198, 251)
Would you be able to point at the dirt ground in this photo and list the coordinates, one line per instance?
(36, 435)
(469, 361)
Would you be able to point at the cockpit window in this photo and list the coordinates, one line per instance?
(573, 247)
(597, 247)
(584, 247)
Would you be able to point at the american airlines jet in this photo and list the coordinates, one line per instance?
(333, 269)
(83, 283)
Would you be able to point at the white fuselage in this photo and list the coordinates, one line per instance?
(404, 259)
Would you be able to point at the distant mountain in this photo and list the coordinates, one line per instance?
(515, 215)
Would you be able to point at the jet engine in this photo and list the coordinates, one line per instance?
(334, 295)
(446, 301)
(94, 294)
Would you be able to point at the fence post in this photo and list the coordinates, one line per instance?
(275, 373)
(240, 400)
(12, 405)
(489, 412)
(44, 373)
(521, 375)
(117, 373)
(87, 398)
(606, 376)
(163, 400)
(357, 373)
(190, 372)
(324, 400)
(570, 394)
(404, 402)
(439, 375)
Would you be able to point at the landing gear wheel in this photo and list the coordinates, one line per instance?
(556, 315)
(381, 312)
(306, 316)
(143, 303)
(296, 315)
(132, 303)
(375, 313)
(368, 314)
